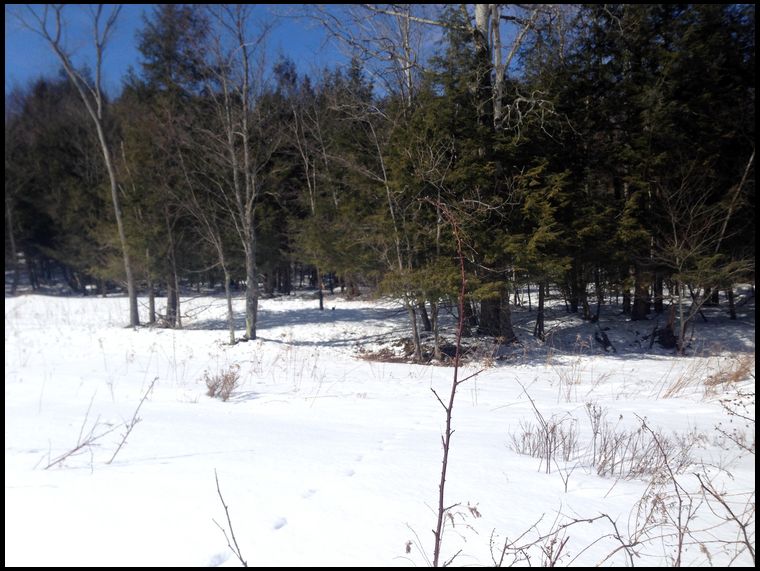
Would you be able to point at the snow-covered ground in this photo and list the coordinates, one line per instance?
(326, 458)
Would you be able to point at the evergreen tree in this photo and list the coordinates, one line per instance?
(157, 107)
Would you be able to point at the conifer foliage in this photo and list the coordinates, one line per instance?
(609, 150)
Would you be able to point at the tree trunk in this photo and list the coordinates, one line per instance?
(506, 331)
(658, 293)
(269, 282)
(426, 324)
(179, 304)
(538, 330)
(71, 279)
(436, 332)
(481, 34)
(574, 298)
(251, 292)
(287, 285)
(731, 305)
(496, 317)
(626, 301)
(517, 293)
(134, 316)
(31, 270)
(415, 332)
(470, 317)
(177, 301)
(584, 304)
(489, 317)
(95, 109)
(667, 336)
(530, 308)
(681, 319)
(320, 286)
(228, 296)
(599, 295)
(173, 265)
(640, 297)
(14, 255)
(151, 292)
(151, 303)
(171, 302)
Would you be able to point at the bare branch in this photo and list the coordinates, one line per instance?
(236, 548)
(133, 422)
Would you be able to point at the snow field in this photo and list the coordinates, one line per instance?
(322, 457)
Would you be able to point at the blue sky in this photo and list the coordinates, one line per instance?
(27, 57)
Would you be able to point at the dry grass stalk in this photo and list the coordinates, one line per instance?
(740, 368)
(734, 368)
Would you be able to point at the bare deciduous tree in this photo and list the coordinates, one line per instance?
(47, 22)
(247, 139)
(203, 204)
(691, 247)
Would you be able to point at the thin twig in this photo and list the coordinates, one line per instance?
(742, 525)
(236, 549)
(446, 437)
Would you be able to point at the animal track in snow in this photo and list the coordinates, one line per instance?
(280, 522)
(217, 559)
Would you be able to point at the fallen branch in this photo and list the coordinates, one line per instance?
(133, 422)
(82, 441)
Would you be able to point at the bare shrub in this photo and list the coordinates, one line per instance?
(537, 548)
(615, 452)
(569, 378)
(669, 520)
(294, 364)
(737, 510)
(596, 415)
(230, 381)
(212, 383)
(548, 439)
(673, 516)
(555, 439)
(741, 417)
(223, 383)
(641, 453)
(635, 453)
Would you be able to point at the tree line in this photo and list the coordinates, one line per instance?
(602, 150)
